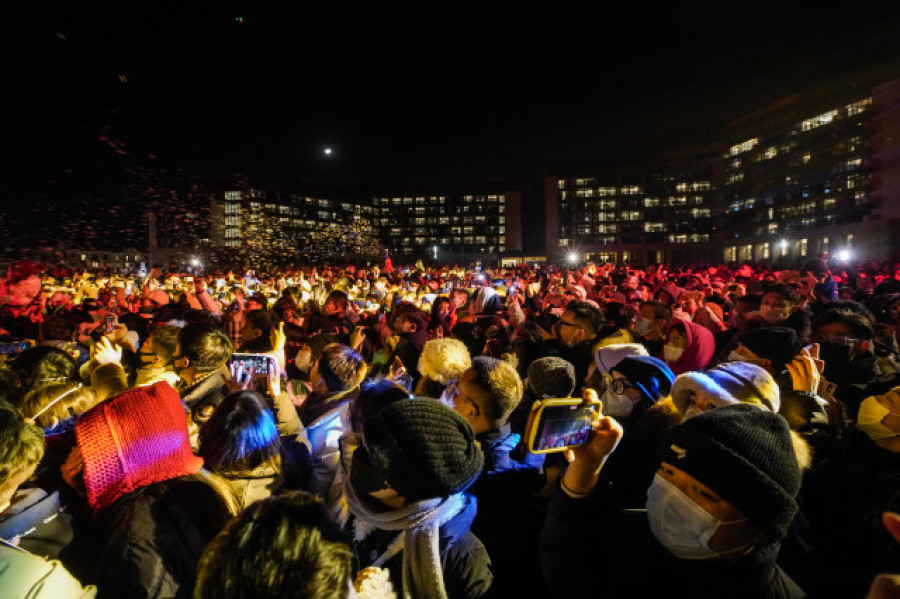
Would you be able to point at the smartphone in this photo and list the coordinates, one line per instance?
(15, 347)
(242, 365)
(112, 321)
(560, 423)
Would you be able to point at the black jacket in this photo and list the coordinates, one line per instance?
(154, 536)
(510, 515)
(588, 552)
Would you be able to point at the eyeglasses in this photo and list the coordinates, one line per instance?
(619, 386)
(453, 392)
(568, 324)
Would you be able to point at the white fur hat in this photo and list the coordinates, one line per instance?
(729, 383)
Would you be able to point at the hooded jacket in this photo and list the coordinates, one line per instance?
(699, 347)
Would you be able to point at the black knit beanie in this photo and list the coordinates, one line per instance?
(551, 377)
(423, 448)
(746, 456)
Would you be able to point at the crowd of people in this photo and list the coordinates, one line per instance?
(344, 431)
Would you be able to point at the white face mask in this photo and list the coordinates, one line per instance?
(642, 326)
(679, 523)
(672, 353)
(617, 406)
(303, 359)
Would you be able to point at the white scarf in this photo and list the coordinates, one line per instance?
(418, 525)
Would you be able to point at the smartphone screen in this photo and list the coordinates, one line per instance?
(241, 365)
(560, 427)
(111, 322)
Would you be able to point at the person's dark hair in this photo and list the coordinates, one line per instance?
(44, 365)
(282, 546)
(340, 366)
(58, 327)
(787, 293)
(660, 310)
(587, 314)
(374, 395)
(21, 449)
(417, 317)
(339, 298)
(206, 346)
(858, 324)
(471, 336)
(264, 320)
(853, 306)
(240, 436)
(165, 338)
(751, 300)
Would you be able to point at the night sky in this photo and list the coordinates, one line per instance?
(449, 91)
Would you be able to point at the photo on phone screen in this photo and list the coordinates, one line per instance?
(241, 365)
(561, 426)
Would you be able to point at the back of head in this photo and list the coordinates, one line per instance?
(444, 360)
(51, 404)
(283, 546)
(341, 367)
(165, 338)
(206, 346)
(134, 439)
(502, 384)
(44, 365)
(374, 395)
(778, 344)
(21, 449)
(240, 436)
(551, 377)
(471, 336)
(746, 456)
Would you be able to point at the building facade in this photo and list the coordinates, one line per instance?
(807, 176)
(449, 227)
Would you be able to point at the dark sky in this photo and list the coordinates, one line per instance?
(445, 91)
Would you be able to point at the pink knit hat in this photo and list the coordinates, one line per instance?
(134, 439)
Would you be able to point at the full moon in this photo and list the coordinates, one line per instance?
(327, 151)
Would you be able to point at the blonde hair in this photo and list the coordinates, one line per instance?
(444, 360)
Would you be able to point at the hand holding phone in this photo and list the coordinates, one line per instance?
(562, 423)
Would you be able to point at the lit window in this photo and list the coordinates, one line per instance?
(232, 196)
(818, 121)
(858, 107)
(744, 146)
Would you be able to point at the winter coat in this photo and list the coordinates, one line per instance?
(587, 551)
(39, 521)
(509, 516)
(153, 537)
(324, 433)
(465, 562)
